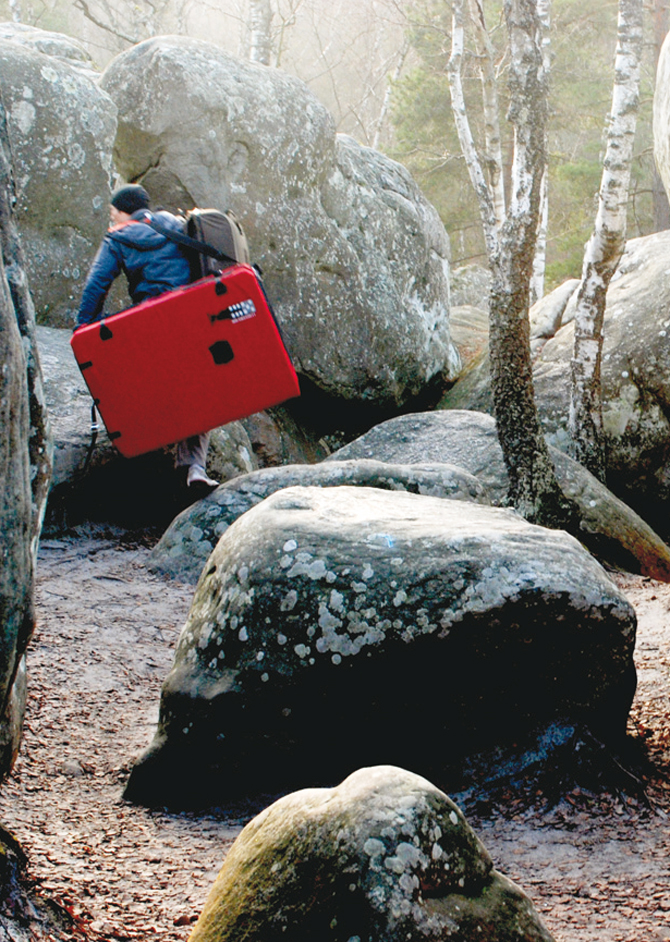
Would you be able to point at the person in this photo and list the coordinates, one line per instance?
(152, 264)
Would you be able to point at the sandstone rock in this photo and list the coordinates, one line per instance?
(68, 50)
(344, 626)
(354, 259)
(26, 914)
(278, 436)
(635, 376)
(610, 529)
(16, 535)
(25, 464)
(61, 128)
(187, 543)
(385, 856)
(549, 314)
(470, 334)
(470, 286)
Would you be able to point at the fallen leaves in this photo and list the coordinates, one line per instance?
(596, 864)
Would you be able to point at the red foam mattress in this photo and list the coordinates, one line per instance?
(186, 362)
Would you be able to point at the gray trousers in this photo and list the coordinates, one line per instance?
(192, 451)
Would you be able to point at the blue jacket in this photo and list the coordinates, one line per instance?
(151, 263)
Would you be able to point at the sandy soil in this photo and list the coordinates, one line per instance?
(597, 866)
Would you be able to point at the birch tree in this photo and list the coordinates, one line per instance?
(511, 243)
(260, 31)
(606, 245)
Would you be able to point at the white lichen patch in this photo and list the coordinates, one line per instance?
(312, 568)
(23, 114)
(289, 601)
(374, 847)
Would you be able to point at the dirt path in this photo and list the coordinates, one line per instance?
(597, 867)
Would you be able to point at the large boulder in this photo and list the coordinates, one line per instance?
(635, 376)
(16, 572)
(68, 50)
(354, 258)
(25, 465)
(337, 627)
(609, 528)
(187, 543)
(385, 856)
(61, 130)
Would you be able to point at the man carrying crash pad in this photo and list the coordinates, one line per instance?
(152, 264)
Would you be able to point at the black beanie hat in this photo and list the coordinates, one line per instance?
(128, 199)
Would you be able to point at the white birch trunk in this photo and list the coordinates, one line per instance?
(540, 260)
(493, 147)
(386, 103)
(606, 245)
(481, 187)
(260, 37)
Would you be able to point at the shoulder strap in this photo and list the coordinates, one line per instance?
(182, 239)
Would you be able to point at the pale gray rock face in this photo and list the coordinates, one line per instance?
(354, 259)
(470, 286)
(470, 334)
(337, 627)
(635, 376)
(61, 129)
(187, 543)
(385, 856)
(65, 48)
(610, 529)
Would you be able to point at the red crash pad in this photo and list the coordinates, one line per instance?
(185, 362)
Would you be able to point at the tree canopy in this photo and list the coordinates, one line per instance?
(583, 42)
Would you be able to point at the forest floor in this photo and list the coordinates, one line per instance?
(596, 865)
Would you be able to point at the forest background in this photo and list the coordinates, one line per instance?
(380, 66)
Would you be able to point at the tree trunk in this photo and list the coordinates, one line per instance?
(534, 490)
(511, 250)
(606, 245)
(493, 147)
(659, 196)
(485, 197)
(260, 37)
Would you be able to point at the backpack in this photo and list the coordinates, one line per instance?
(222, 231)
(213, 241)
